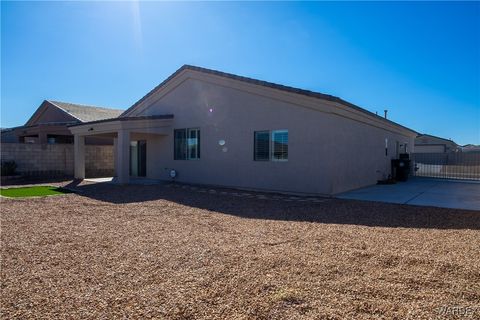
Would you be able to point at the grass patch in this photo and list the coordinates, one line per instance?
(37, 191)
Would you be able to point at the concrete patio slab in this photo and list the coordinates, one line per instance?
(423, 192)
(141, 181)
(99, 180)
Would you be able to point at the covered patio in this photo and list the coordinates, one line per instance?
(128, 133)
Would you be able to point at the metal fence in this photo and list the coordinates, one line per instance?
(452, 165)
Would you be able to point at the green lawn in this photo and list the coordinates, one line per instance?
(36, 191)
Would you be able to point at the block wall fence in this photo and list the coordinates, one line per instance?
(57, 159)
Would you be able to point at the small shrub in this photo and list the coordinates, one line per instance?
(8, 168)
(289, 296)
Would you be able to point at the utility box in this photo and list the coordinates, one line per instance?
(400, 169)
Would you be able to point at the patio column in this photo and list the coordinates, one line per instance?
(115, 156)
(123, 156)
(79, 156)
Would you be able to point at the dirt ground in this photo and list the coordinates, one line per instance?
(175, 253)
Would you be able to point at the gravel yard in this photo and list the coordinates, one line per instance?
(175, 253)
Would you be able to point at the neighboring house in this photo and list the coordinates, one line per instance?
(470, 148)
(8, 135)
(49, 123)
(221, 129)
(426, 143)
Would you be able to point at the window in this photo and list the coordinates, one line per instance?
(186, 144)
(180, 145)
(193, 144)
(262, 146)
(280, 145)
(271, 145)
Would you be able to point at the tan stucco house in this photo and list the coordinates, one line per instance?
(49, 123)
(221, 129)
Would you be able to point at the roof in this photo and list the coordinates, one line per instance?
(51, 124)
(432, 136)
(86, 113)
(154, 117)
(264, 84)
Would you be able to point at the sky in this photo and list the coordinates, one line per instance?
(419, 60)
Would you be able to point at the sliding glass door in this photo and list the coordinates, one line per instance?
(138, 158)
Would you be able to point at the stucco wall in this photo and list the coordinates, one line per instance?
(57, 159)
(328, 153)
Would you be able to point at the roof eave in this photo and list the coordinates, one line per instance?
(156, 117)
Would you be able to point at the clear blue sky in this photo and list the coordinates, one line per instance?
(419, 60)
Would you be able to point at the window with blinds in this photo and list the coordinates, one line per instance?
(262, 146)
(186, 144)
(180, 144)
(271, 145)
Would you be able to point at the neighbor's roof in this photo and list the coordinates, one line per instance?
(432, 136)
(264, 84)
(86, 113)
(79, 113)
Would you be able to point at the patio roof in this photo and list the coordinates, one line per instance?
(154, 117)
(156, 124)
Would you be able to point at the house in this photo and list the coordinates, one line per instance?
(426, 143)
(470, 148)
(203, 126)
(8, 135)
(49, 123)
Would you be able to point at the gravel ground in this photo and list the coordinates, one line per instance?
(176, 253)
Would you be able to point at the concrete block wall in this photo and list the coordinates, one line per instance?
(99, 161)
(57, 159)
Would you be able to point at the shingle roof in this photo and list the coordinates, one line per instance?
(87, 113)
(264, 84)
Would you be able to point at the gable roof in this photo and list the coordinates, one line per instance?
(262, 83)
(76, 112)
(86, 113)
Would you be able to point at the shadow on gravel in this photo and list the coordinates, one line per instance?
(334, 211)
